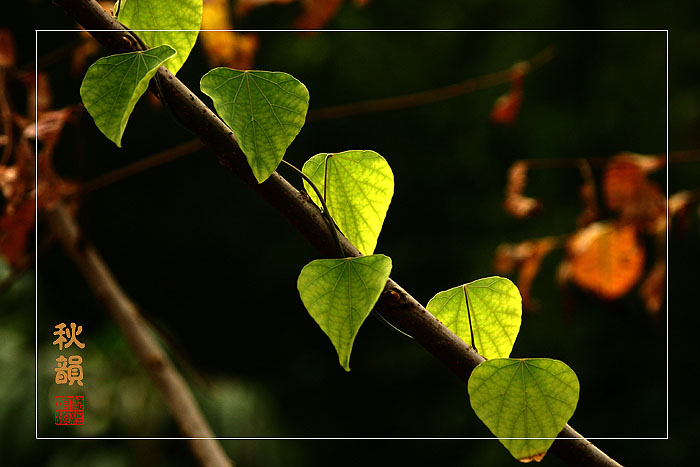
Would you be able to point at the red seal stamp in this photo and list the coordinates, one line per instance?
(70, 410)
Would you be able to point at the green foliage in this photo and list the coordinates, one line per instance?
(524, 398)
(515, 398)
(339, 294)
(495, 307)
(167, 16)
(265, 110)
(112, 86)
(358, 187)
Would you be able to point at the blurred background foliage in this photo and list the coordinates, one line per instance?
(214, 268)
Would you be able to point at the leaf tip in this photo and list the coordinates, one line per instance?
(260, 178)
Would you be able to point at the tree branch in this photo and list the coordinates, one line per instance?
(395, 304)
(171, 384)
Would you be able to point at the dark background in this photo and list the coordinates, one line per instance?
(215, 267)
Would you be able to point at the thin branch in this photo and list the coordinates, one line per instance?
(395, 304)
(325, 211)
(430, 96)
(172, 385)
(144, 164)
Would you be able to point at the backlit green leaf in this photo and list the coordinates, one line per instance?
(265, 110)
(112, 86)
(495, 307)
(524, 398)
(340, 293)
(168, 16)
(358, 187)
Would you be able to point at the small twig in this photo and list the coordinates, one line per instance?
(326, 213)
(430, 96)
(144, 164)
(172, 385)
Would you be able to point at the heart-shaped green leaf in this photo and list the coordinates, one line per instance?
(265, 110)
(358, 187)
(495, 308)
(340, 293)
(168, 17)
(524, 398)
(112, 86)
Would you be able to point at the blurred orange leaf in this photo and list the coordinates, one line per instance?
(226, 48)
(516, 204)
(606, 259)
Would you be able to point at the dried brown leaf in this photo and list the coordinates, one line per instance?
(516, 204)
(506, 108)
(526, 257)
(50, 124)
(628, 191)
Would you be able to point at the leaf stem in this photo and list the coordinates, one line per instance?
(469, 316)
(325, 212)
(325, 174)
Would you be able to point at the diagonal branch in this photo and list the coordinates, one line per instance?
(172, 385)
(395, 304)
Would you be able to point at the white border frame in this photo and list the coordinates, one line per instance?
(36, 231)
